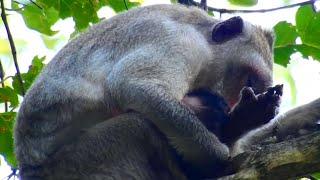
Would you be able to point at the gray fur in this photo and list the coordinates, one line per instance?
(144, 60)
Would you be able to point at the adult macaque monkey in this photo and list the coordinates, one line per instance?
(145, 60)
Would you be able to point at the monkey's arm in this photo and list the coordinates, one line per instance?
(157, 96)
(289, 123)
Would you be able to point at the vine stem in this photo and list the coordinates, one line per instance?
(12, 46)
(221, 10)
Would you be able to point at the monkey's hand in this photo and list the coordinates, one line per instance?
(252, 111)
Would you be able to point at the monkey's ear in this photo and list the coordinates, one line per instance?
(227, 29)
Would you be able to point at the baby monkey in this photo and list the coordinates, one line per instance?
(251, 111)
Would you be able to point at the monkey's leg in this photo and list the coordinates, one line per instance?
(157, 92)
(124, 147)
(289, 123)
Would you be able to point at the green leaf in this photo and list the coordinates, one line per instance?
(51, 42)
(285, 34)
(316, 175)
(7, 94)
(6, 139)
(5, 49)
(119, 5)
(82, 12)
(308, 26)
(210, 13)
(40, 19)
(42, 16)
(28, 78)
(243, 2)
(282, 55)
(306, 51)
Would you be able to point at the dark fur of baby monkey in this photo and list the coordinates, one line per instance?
(251, 111)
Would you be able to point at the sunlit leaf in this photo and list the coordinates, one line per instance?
(306, 51)
(42, 16)
(316, 175)
(51, 42)
(6, 139)
(282, 55)
(285, 34)
(7, 94)
(244, 2)
(28, 78)
(119, 5)
(5, 46)
(308, 26)
(40, 19)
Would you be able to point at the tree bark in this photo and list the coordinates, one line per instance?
(287, 159)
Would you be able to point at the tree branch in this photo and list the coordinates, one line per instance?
(13, 48)
(222, 10)
(283, 160)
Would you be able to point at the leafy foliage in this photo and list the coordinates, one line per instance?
(6, 139)
(40, 19)
(28, 78)
(10, 95)
(316, 175)
(307, 29)
(42, 14)
(244, 2)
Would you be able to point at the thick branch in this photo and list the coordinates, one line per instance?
(13, 48)
(287, 159)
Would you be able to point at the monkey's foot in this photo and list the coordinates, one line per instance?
(251, 111)
(270, 100)
(257, 109)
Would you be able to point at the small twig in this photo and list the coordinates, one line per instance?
(203, 5)
(125, 4)
(13, 174)
(19, 3)
(18, 9)
(35, 4)
(12, 46)
(221, 10)
(2, 85)
(8, 77)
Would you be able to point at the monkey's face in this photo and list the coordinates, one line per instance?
(244, 54)
(239, 75)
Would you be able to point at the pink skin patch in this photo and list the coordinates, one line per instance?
(192, 101)
(116, 112)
